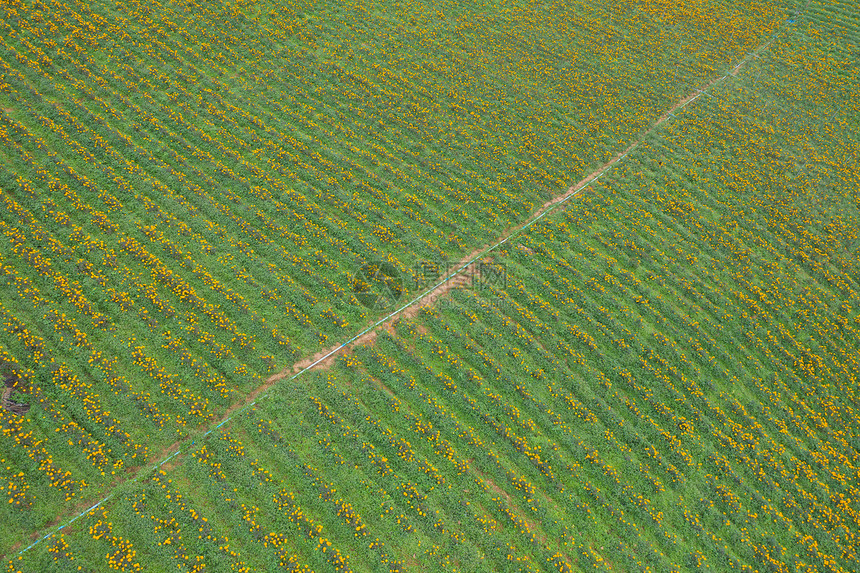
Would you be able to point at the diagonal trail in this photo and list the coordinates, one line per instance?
(411, 308)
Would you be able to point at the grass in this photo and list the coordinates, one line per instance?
(654, 387)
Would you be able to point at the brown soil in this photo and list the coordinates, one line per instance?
(167, 466)
(306, 363)
(168, 450)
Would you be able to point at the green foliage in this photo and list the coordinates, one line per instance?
(666, 381)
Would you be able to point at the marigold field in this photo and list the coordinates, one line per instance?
(667, 379)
